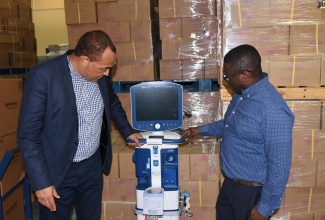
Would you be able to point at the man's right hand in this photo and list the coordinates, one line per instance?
(190, 133)
(46, 197)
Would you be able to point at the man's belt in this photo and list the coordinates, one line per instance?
(246, 183)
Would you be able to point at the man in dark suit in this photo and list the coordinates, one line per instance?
(64, 128)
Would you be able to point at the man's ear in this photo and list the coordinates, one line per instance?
(84, 60)
(246, 75)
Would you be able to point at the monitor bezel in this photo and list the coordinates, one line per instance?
(151, 125)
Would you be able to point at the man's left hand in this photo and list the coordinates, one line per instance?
(255, 215)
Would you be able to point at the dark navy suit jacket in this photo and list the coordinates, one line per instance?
(48, 123)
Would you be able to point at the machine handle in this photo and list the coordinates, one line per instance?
(164, 141)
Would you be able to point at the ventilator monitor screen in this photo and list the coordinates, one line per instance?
(157, 106)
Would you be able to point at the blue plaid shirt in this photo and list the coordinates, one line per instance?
(90, 108)
(256, 141)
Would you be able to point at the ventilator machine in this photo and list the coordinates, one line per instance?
(157, 113)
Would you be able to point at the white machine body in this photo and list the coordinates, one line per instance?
(158, 191)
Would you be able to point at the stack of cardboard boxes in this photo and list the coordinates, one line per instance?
(189, 32)
(17, 36)
(132, 26)
(11, 166)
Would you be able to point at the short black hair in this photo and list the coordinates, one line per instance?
(93, 43)
(244, 57)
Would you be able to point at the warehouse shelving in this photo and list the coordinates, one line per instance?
(11, 71)
(288, 93)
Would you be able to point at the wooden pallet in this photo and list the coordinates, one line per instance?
(288, 93)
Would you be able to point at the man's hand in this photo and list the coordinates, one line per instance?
(255, 215)
(46, 197)
(135, 137)
(190, 133)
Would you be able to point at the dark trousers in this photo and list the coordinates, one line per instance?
(82, 189)
(235, 201)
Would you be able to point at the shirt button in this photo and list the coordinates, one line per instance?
(247, 96)
(233, 112)
(226, 126)
(241, 98)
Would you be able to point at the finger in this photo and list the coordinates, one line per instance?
(55, 194)
(52, 205)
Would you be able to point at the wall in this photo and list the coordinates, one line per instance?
(49, 20)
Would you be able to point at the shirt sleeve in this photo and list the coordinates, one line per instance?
(213, 129)
(278, 147)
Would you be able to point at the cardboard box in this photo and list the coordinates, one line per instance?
(203, 193)
(203, 212)
(211, 69)
(13, 174)
(171, 49)
(319, 216)
(23, 28)
(10, 42)
(144, 71)
(184, 8)
(322, 71)
(7, 143)
(302, 143)
(107, 11)
(317, 200)
(114, 173)
(24, 12)
(272, 40)
(4, 58)
(122, 72)
(307, 39)
(105, 193)
(75, 31)
(184, 163)
(302, 173)
(144, 50)
(80, 13)
(320, 173)
(141, 30)
(204, 164)
(295, 70)
(126, 164)
(23, 59)
(192, 69)
(280, 12)
(296, 199)
(130, 10)
(118, 31)
(318, 143)
(194, 48)
(170, 69)
(170, 28)
(237, 36)
(122, 190)
(13, 205)
(307, 114)
(247, 13)
(10, 99)
(121, 211)
(125, 52)
(192, 28)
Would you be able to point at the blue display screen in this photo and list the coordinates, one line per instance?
(157, 106)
